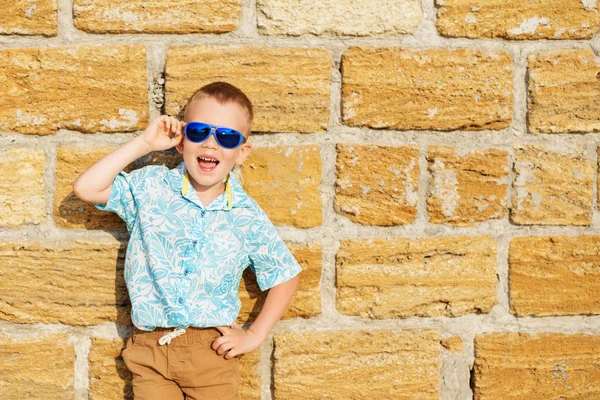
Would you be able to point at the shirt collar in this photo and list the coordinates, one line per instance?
(233, 196)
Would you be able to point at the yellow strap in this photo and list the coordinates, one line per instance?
(186, 183)
(228, 195)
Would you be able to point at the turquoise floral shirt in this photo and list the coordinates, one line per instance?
(185, 260)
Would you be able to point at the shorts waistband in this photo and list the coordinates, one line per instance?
(192, 335)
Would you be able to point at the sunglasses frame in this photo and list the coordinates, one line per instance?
(213, 131)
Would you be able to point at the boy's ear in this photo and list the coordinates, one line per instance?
(245, 150)
(179, 147)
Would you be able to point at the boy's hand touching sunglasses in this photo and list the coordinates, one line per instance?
(158, 134)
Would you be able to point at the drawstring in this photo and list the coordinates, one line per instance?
(167, 337)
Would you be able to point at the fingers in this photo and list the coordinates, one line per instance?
(218, 342)
(230, 354)
(166, 120)
(224, 348)
(222, 345)
(172, 125)
(175, 140)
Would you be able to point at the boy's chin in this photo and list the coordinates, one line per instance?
(206, 182)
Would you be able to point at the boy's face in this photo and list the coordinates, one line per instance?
(229, 115)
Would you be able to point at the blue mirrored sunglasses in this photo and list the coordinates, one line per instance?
(228, 138)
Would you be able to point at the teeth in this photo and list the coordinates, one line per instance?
(208, 159)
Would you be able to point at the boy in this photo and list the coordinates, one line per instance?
(193, 230)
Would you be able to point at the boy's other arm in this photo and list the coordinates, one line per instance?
(236, 340)
(277, 301)
(95, 184)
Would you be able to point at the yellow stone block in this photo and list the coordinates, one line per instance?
(563, 91)
(109, 378)
(519, 365)
(377, 185)
(26, 17)
(554, 275)
(357, 364)
(22, 189)
(552, 187)
(87, 88)
(285, 181)
(332, 17)
(401, 277)
(75, 283)
(467, 189)
(518, 19)
(157, 16)
(41, 367)
(395, 88)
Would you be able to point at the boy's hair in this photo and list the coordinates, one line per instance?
(224, 92)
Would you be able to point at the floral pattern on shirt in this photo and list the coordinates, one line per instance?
(185, 260)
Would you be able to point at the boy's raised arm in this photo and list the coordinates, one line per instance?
(95, 183)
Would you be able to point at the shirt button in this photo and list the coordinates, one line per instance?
(181, 300)
(186, 271)
(202, 213)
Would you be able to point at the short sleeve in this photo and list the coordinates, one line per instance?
(122, 201)
(270, 259)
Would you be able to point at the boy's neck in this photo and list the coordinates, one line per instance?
(208, 194)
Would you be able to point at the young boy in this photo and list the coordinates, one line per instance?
(193, 230)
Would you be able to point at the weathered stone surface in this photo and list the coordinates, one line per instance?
(285, 181)
(22, 190)
(250, 375)
(27, 17)
(453, 343)
(69, 210)
(552, 187)
(516, 365)
(518, 19)
(598, 184)
(377, 185)
(108, 375)
(157, 16)
(555, 275)
(466, 189)
(331, 17)
(289, 87)
(397, 278)
(37, 368)
(357, 365)
(563, 90)
(86, 88)
(427, 89)
(75, 283)
(306, 302)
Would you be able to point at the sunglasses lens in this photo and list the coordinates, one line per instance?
(197, 132)
(228, 138)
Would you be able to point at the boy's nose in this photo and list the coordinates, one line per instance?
(210, 142)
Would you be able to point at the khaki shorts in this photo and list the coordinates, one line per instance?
(187, 368)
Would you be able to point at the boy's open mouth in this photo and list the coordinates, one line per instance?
(207, 163)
